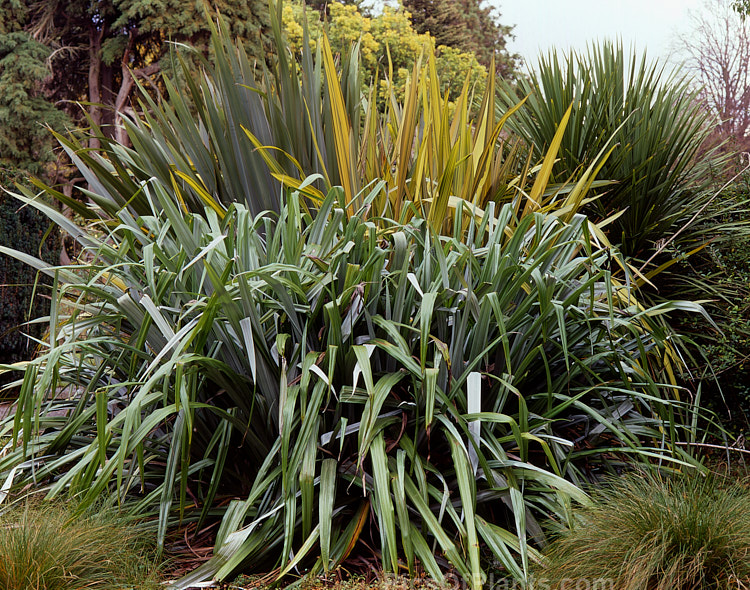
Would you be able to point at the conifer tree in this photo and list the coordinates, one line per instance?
(442, 19)
(26, 147)
(101, 48)
(469, 26)
(24, 107)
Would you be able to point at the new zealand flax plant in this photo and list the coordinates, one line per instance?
(225, 137)
(312, 381)
(320, 369)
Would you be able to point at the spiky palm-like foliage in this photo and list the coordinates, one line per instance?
(652, 117)
(223, 137)
(313, 381)
(429, 357)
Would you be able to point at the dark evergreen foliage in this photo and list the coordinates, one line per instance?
(101, 48)
(23, 294)
(54, 53)
(26, 147)
(722, 354)
(442, 19)
(24, 109)
(467, 25)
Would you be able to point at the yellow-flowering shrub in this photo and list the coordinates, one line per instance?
(453, 65)
(293, 15)
(388, 45)
(393, 29)
(347, 26)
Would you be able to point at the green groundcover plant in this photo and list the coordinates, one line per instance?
(648, 532)
(51, 547)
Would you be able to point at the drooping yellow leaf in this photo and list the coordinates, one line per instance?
(540, 184)
(342, 130)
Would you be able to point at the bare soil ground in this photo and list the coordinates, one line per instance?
(5, 408)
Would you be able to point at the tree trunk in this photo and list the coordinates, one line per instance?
(123, 96)
(107, 75)
(126, 86)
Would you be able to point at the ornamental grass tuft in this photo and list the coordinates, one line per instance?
(48, 547)
(649, 533)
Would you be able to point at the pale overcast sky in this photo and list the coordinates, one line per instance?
(541, 24)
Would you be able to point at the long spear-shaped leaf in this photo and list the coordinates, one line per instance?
(342, 131)
(542, 178)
